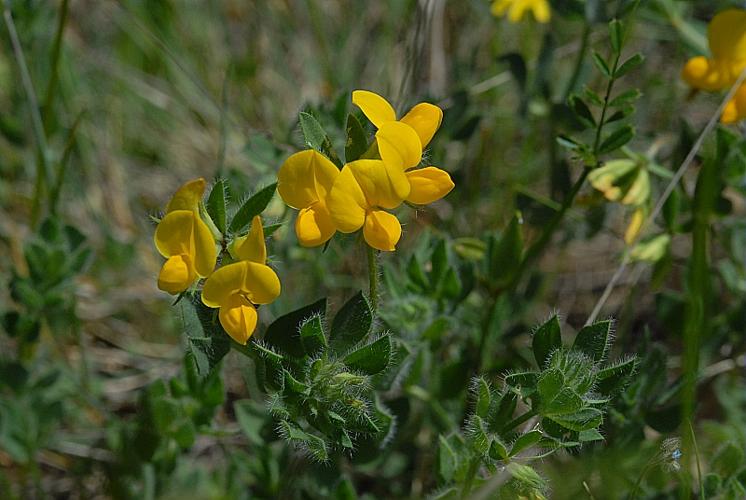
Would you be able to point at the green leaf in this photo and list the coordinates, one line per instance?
(547, 338)
(594, 340)
(207, 340)
(217, 204)
(526, 475)
(601, 64)
(554, 397)
(629, 65)
(351, 324)
(255, 205)
(478, 436)
(312, 335)
(314, 445)
(588, 418)
(357, 139)
(617, 139)
(284, 333)
(506, 408)
(616, 35)
(505, 255)
(439, 264)
(614, 378)
(625, 98)
(316, 138)
(372, 358)
(582, 111)
(525, 441)
(293, 385)
(415, 273)
(498, 450)
(590, 435)
(482, 395)
(447, 460)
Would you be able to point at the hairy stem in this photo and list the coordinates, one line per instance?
(373, 278)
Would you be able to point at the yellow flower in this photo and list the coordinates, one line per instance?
(735, 109)
(359, 197)
(185, 240)
(626, 181)
(517, 8)
(304, 181)
(726, 35)
(400, 143)
(236, 288)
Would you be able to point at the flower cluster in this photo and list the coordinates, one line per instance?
(516, 9)
(365, 190)
(726, 35)
(185, 238)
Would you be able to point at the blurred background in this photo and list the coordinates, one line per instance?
(138, 96)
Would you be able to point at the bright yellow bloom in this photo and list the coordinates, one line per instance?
(304, 181)
(517, 8)
(359, 197)
(185, 240)
(726, 35)
(400, 143)
(236, 288)
(635, 225)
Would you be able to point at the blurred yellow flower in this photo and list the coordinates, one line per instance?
(726, 35)
(359, 196)
(400, 143)
(517, 8)
(185, 240)
(304, 182)
(626, 181)
(236, 288)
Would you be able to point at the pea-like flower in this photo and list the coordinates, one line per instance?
(516, 9)
(400, 143)
(360, 196)
(626, 181)
(304, 181)
(726, 36)
(238, 287)
(185, 240)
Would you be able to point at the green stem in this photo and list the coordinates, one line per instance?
(43, 171)
(699, 465)
(373, 278)
(470, 473)
(518, 421)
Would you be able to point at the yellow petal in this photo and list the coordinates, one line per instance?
(705, 74)
(735, 109)
(542, 12)
(188, 196)
(638, 217)
(726, 34)
(238, 317)
(606, 177)
(399, 145)
(305, 178)
(314, 225)
(374, 107)
(173, 236)
(428, 184)
(346, 202)
(176, 275)
(252, 246)
(382, 230)
(639, 192)
(204, 249)
(500, 6)
(519, 7)
(258, 282)
(384, 185)
(425, 119)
